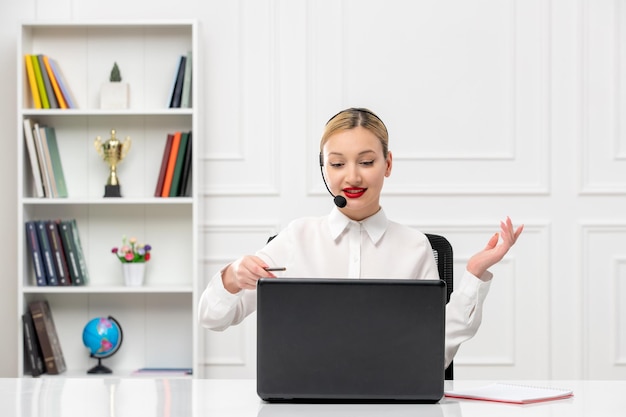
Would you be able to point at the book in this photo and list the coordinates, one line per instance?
(55, 85)
(169, 173)
(43, 167)
(63, 86)
(43, 137)
(49, 343)
(52, 100)
(82, 263)
(186, 174)
(164, 160)
(178, 85)
(45, 104)
(55, 162)
(185, 100)
(46, 253)
(511, 393)
(32, 81)
(71, 255)
(188, 185)
(178, 166)
(32, 156)
(34, 363)
(58, 254)
(32, 243)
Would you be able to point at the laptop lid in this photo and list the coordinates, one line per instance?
(350, 339)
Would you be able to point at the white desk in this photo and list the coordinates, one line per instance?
(177, 397)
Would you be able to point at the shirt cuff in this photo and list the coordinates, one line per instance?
(471, 286)
(222, 295)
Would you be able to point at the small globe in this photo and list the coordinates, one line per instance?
(103, 337)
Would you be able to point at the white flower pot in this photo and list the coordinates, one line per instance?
(114, 95)
(134, 273)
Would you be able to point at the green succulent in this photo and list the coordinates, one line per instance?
(116, 76)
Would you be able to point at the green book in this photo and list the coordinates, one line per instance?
(82, 262)
(178, 167)
(71, 253)
(47, 84)
(40, 85)
(55, 158)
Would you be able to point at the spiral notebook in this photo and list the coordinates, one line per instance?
(511, 393)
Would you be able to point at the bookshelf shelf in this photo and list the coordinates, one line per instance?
(117, 289)
(68, 113)
(178, 201)
(158, 318)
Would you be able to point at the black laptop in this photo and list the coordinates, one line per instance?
(350, 340)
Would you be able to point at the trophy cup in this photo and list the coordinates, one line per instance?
(113, 152)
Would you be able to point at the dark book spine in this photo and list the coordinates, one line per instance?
(82, 263)
(33, 246)
(37, 313)
(48, 337)
(71, 256)
(54, 338)
(182, 192)
(32, 351)
(164, 161)
(46, 253)
(58, 254)
(178, 87)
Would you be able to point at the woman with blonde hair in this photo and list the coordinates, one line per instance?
(356, 239)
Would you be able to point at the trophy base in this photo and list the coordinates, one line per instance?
(112, 191)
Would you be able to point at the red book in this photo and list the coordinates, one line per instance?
(166, 154)
(171, 163)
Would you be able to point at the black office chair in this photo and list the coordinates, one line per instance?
(442, 249)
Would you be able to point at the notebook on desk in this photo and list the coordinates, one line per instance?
(350, 340)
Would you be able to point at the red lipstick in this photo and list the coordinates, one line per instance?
(354, 192)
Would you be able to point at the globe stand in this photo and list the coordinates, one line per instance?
(100, 368)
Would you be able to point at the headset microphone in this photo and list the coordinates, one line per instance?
(340, 201)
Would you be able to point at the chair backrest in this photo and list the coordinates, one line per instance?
(442, 249)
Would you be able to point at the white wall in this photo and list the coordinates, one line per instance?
(494, 107)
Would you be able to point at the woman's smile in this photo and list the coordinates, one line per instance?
(354, 192)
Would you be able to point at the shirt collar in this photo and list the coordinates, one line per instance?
(375, 225)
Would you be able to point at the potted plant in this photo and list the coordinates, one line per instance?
(133, 256)
(114, 94)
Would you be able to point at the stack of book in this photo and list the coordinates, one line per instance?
(42, 348)
(45, 160)
(175, 173)
(48, 87)
(56, 252)
(180, 95)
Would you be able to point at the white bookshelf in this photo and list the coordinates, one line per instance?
(158, 319)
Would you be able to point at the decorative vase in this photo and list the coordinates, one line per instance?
(114, 95)
(134, 273)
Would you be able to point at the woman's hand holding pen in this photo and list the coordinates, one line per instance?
(494, 251)
(245, 272)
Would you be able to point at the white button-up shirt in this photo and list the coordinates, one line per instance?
(335, 246)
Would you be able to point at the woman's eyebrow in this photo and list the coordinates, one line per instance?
(360, 153)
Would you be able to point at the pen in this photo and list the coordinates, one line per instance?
(279, 268)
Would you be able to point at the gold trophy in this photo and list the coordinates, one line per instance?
(113, 152)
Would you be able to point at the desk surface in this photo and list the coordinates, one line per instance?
(179, 397)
